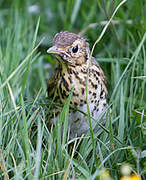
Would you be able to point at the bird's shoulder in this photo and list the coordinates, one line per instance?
(101, 73)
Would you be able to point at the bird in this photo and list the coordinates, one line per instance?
(72, 53)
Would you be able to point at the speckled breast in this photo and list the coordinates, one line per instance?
(76, 77)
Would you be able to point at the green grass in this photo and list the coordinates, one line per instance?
(28, 149)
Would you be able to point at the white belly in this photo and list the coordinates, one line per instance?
(79, 123)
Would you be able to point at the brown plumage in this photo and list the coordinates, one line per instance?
(72, 52)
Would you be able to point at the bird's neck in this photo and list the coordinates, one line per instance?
(70, 68)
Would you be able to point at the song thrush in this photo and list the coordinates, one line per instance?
(72, 53)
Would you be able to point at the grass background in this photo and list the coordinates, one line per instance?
(28, 150)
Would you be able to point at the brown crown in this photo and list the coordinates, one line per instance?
(64, 39)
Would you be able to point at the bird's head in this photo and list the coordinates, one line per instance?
(70, 49)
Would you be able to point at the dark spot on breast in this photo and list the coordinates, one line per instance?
(97, 73)
(90, 92)
(94, 94)
(104, 104)
(94, 75)
(70, 79)
(83, 71)
(93, 71)
(92, 84)
(75, 103)
(97, 103)
(69, 71)
(75, 72)
(97, 109)
(75, 94)
(80, 80)
(86, 57)
(95, 86)
(92, 101)
(94, 108)
(77, 120)
(65, 83)
(102, 94)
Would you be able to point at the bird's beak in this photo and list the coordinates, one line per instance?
(54, 50)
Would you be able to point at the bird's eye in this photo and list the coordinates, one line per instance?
(75, 49)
